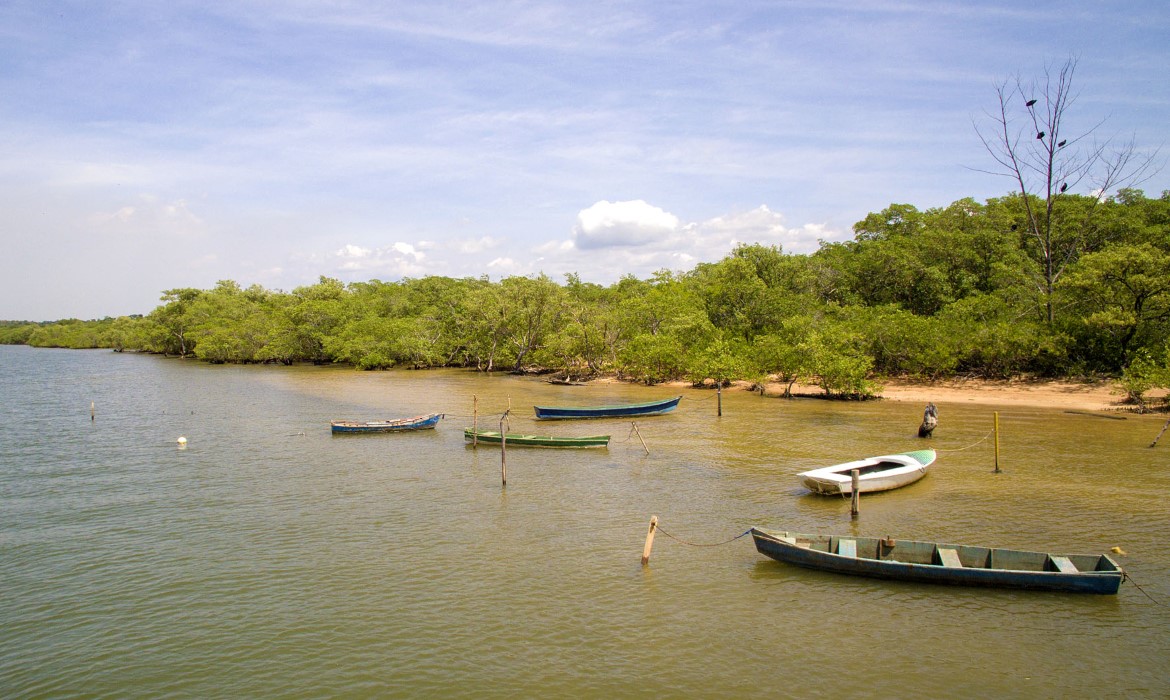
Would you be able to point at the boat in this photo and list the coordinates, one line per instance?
(649, 408)
(930, 562)
(874, 473)
(386, 426)
(492, 437)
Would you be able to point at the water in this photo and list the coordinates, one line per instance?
(271, 559)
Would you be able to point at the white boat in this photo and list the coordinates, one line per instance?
(874, 473)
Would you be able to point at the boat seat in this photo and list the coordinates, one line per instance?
(949, 557)
(1063, 564)
(847, 548)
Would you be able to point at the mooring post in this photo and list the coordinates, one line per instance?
(997, 469)
(649, 540)
(719, 398)
(1164, 426)
(503, 452)
(474, 420)
(93, 412)
(855, 498)
(639, 433)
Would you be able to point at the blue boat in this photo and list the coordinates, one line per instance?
(649, 408)
(930, 562)
(425, 422)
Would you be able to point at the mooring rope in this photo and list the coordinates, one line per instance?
(698, 544)
(1126, 577)
(960, 449)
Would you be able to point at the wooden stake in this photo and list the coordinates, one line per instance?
(855, 497)
(719, 398)
(474, 420)
(93, 411)
(649, 540)
(639, 433)
(503, 452)
(1155, 442)
(997, 469)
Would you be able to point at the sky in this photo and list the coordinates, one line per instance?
(147, 146)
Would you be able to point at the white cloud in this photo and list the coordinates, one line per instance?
(635, 223)
(395, 260)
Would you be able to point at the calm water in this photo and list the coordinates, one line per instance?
(272, 559)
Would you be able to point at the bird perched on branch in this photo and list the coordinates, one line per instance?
(1061, 144)
(1040, 135)
(1029, 103)
(1063, 187)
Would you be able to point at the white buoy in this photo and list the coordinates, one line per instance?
(182, 442)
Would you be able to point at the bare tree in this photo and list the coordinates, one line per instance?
(1028, 142)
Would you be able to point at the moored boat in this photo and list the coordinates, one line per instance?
(423, 422)
(874, 473)
(648, 408)
(492, 437)
(931, 562)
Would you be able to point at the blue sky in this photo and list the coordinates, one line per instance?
(152, 145)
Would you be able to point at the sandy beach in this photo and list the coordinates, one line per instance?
(1084, 396)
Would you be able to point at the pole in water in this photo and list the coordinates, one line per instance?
(639, 434)
(1164, 426)
(503, 452)
(997, 469)
(855, 496)
(719, 398)
(93, 411)
(474, 420)
(649, 540)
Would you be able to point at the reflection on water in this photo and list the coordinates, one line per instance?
(270, 557)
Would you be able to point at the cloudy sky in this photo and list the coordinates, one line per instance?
(152, 145)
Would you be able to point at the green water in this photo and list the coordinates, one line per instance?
(271, 559)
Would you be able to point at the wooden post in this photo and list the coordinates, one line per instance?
(997, 469)
(474, 420)
(649, 540)
(719, 397)
(855, 497)
(503, 452)
(1164, 426)
(93, 411)
(639, 433)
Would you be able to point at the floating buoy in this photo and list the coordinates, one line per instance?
(1118, 550)
(182, 441)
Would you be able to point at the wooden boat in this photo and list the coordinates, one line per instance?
(628, 410)
(874, 473)
(492, 437)
(930, 562)
(386, 426)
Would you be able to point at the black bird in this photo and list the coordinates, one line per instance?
(1061, 144)
(1040, 135)
(1029, 103)
(1064, 187)
(1014, 227)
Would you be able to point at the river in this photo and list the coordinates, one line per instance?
(269, 558)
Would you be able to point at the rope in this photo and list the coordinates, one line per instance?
(1126, 577)
(696, 544)
(960, 449)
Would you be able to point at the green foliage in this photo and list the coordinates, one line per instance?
(923, 293)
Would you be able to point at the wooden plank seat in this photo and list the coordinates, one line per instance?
(1063, 564)
(948, 557)
(847, 548)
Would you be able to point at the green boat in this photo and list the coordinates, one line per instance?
(492, 437)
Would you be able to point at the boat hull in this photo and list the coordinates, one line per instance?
(650, 408)
(426, 422)
(492, 437)
(929, 562)
(874, 473)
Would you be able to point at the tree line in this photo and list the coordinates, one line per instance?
(966, 289)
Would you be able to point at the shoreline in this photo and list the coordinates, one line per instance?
(1102, 395)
